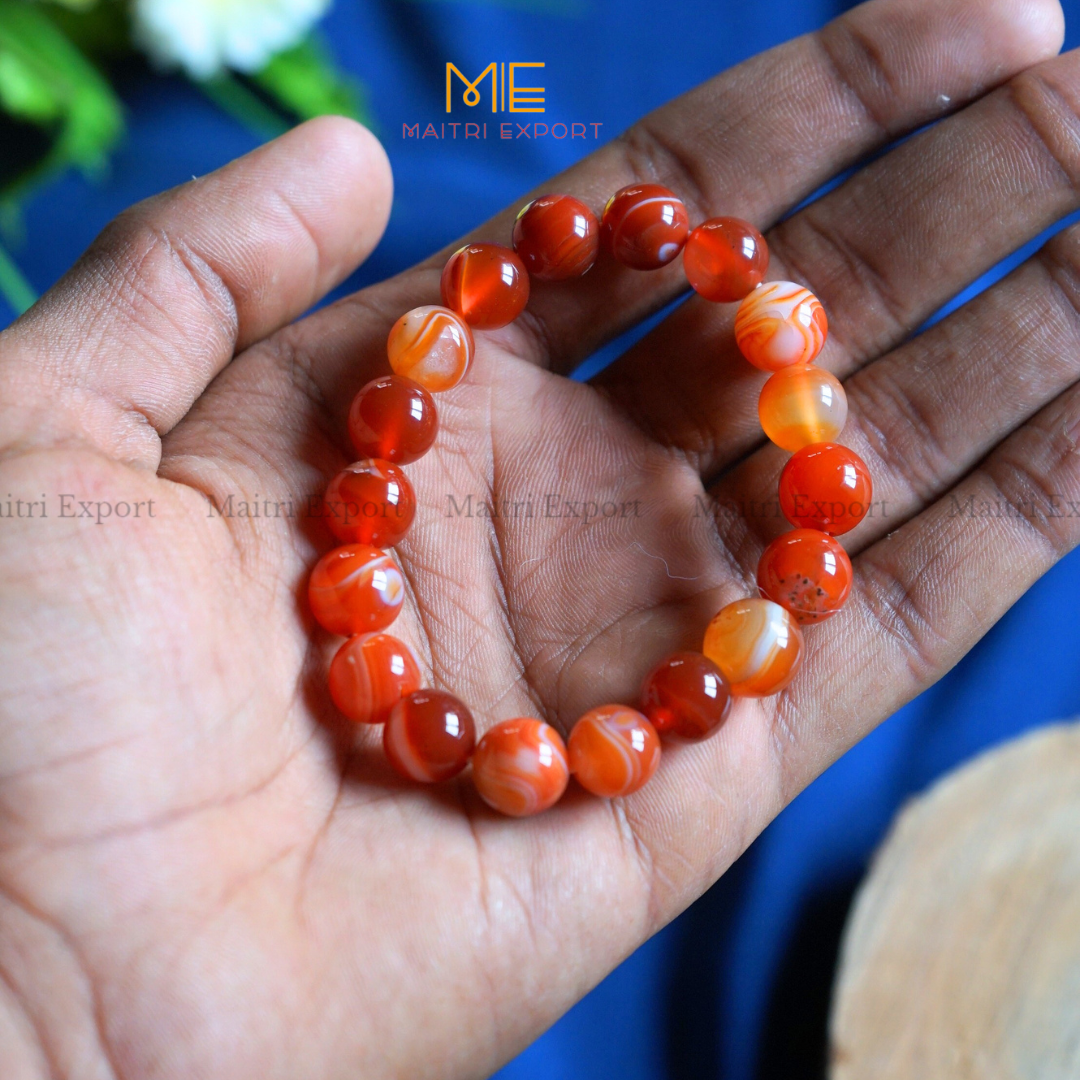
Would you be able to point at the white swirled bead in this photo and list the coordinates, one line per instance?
(757, 644)
(780, 324)
(432, 346)
(520, 768)
(613, 750)
(355, 589)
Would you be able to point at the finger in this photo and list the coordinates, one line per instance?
(752, 141)
(924, 415)
(882, 252)
(926, 593)
(122, 346)
(923, 596)
(759, 138)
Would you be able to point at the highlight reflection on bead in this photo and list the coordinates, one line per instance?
(431, 345)
(780, 324)
(686, 695)
(807, 572)
(802, 405)
(429, 736)
(825, 486)
(613, 751)
(370, 674)
(756, 644)
(644, 226)
(355, 589)
(557, 237)
(369, 502)
(393, 418)
(520, 767)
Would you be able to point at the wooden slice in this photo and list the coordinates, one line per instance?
(961, 958)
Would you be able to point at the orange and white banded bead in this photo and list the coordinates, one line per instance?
(370, 674)
(431, 345)
(644, 226)
(355, 589)
(613, 750)
(429, 736)
(756, 644)
(780, 324)
(520, 767)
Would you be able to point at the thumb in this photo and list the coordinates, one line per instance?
(117, 352)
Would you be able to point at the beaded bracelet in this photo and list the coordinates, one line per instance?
(752, 648)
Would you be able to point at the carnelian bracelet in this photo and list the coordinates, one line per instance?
(752, 648)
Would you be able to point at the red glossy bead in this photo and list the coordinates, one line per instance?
(370, 674)
(355, 589)
(520, 767)
(613, 751)
(429, 736)
(686, 695)
(486, 284)
(369, 502)
(557, 237)
(725, 259)
(644, 226)
(827, 487)
(393, 418)
(807, 572)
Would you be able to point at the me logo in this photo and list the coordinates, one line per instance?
(506, 95)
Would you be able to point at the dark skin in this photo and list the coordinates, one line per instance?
(203, 872)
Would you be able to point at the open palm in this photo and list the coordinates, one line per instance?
(204, 871)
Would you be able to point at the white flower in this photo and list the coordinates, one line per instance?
(206, 36)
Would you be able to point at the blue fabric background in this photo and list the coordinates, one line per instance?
(737, 988)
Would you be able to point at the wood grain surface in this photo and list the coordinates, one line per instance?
(961, 958)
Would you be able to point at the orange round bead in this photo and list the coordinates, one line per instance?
(369, 502)
(802, 405)
(486, 284)
(825, 487)
(686, 695)
(431, 345)
(557, 237)
(355, 589)
(807, 572)
(520, 767)
(725, 259)
(429, 736)
(613, 751)
(644, 226)
(757, 645)
(370, 674)
(393, 418)
(780, 324)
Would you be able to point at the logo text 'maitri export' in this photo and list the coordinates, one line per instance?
(506, 96)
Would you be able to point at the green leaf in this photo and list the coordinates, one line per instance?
(102, 32)
(234, 97)
(305, 81)
(45, 79)
(24, 93)
(76, 5)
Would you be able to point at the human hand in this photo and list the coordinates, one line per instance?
(204, 872)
